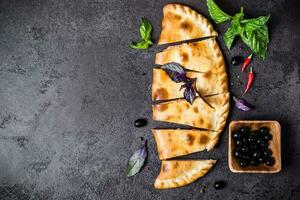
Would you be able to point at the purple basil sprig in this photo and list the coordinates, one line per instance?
(241, 104)
(137, 161)
(177, 73)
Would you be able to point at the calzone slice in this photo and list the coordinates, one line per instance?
(177, 173)
(208, 83)
(182, 23)
(178, 142)
(199, 114)
(201, 56)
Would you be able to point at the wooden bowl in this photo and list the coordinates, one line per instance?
(274, 145)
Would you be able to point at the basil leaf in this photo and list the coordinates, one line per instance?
(234, 29)
(140, 45)
(175, 71)
(216, 13)
(229, 35)
(257, 40)
(253, 24)
(136, 161)
(190, 92)
(145, 29)
(241, 104)
(145, 32)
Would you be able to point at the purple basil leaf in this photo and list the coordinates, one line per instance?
(242, 104)
(175, 71)
(137, 161)
(190, 92)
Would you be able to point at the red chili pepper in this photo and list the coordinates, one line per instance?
(250, 80)
(246, 62)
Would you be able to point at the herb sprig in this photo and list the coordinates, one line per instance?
(177, 73)
(145, 33)
(253, 32)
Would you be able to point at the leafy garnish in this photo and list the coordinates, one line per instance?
(241, 104)
(190, 91)
(216, 13)
(177, 73)
(145, 33)
(137, 161)
(253, 32)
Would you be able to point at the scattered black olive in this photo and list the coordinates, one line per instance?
(140, 122)
(251, 147)
(236, 60)
(219, 185)
(142, 138)
(144, 74)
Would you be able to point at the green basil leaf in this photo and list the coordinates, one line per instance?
(229, 36)
(136, 161)
(235, 29)
(253, 24)
(257, 40)
(140, 45)
(216, 13)
(145, 29)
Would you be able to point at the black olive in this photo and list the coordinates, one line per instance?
(236, 135)
(238, 153)
(261, 160)
(238, 142)
(250, 138)
(270, 161)
(256, 155)
(244, 129)
(267, 137)
(236, 60)
(264, 129)
(243, 163)
(254, 162)
(219, 185)
(140, 122)
(245, 149)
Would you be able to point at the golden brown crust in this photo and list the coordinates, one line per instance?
(178, 173)
(199, 114)
(182, 23)
(178, 142)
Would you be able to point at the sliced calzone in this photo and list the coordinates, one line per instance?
(210, 114)
(201, 56)
(163, 88)
(178, 142)
(177, 173)
(182, 23)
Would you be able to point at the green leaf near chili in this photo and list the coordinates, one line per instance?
(216, 13)
(257, 40)
(137, 161)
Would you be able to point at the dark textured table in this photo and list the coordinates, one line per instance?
(70, 89)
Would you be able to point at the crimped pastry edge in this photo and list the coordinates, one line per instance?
(182, 9)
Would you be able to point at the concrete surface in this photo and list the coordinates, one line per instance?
(70, 89)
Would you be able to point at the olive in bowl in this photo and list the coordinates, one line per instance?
(254, 147)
